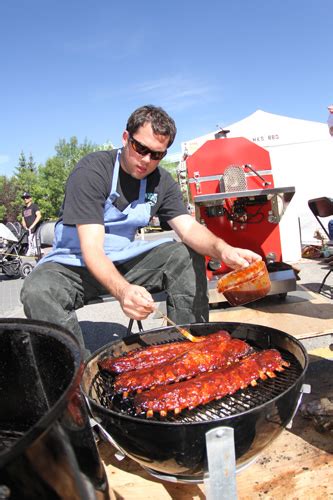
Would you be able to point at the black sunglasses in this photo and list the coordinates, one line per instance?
(142, 150)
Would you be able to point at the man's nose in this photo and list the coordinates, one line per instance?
(146, 158)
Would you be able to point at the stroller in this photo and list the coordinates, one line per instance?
(13, 244)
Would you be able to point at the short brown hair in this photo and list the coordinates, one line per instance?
(161, 122)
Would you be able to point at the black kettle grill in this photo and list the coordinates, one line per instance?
(47, 449)
(175, 447)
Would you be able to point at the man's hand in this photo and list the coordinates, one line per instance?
(136, 302)
(238, 257)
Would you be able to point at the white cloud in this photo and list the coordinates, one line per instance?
(176, 92)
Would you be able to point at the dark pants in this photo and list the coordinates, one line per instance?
(52, 292)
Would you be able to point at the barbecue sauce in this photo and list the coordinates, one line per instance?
(245, 285)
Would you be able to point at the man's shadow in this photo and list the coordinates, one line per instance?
(98, 334)
(319, 376)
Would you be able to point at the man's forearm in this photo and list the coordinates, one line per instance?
(37, 219)
(100, 266)
(203, 241)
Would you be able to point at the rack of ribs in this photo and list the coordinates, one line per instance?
(153, 355)
(207, 387)
(202, 357)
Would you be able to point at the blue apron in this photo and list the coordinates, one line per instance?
(120, 230)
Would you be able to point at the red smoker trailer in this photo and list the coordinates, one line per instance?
(232, 187)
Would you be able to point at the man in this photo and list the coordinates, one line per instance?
(109, 195)
(31, 216)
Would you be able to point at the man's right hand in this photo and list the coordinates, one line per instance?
(136, 302)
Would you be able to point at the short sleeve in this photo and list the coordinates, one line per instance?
(87, 189)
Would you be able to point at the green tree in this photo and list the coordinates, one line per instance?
(9, 211)
(53, 176)
(51, 186)
(71, 151)
(22, 161)
(31, 165)
(46, 183)
(171, 167)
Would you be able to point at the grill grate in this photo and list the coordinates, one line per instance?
(228, 406)
(234, 179)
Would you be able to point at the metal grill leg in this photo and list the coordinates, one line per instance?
(221, 483)
(323, 282)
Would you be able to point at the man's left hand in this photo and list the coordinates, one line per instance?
(238, 257)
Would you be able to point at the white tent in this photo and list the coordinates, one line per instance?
(301, 155)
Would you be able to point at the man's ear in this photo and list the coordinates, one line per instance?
(125, 137)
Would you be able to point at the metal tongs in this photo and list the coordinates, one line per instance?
(184, 332)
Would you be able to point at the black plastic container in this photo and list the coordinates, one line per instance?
(47, 449)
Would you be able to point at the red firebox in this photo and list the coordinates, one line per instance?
(232, 187)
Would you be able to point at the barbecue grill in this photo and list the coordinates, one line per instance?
(47, 448)
(175, 447)
(232, 187)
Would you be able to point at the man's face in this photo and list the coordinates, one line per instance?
(27, 201)
(140, 165)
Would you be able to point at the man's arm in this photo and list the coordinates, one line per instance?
(135, 301)
(37, 219)
(203, 241)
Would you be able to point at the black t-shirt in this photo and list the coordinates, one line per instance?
(29, 214)
(89, 186)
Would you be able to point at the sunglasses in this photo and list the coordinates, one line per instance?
(142, 150)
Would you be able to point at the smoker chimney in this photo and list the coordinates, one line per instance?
(221, 134)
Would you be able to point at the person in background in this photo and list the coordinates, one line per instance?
(108, 196)
(31, 217)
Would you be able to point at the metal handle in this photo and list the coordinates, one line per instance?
(220, 482)
(184, 332)
(266, 183)
(120, 454)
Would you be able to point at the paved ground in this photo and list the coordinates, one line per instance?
(102, 323)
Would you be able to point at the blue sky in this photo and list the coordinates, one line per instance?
(77, 67)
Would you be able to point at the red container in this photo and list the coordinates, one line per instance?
(245, 285)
